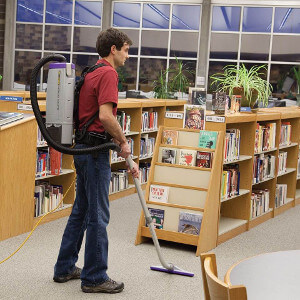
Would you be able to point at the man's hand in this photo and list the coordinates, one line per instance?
(125, 150)
(135, 170)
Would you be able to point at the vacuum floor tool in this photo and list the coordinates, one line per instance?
(166, 267)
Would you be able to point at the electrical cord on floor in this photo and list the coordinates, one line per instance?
(40, 220)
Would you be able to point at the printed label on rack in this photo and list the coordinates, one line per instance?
(11, 98)
(173, 115)
(216, 119)
(24, 107)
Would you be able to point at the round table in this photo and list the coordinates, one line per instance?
(274, 275)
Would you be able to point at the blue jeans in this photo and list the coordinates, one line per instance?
(91, 213)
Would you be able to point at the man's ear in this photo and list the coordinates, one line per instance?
(113, 49)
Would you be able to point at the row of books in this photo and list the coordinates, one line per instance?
(124, 121)
(230, 181)
(41, 142)
(144, 172)
(187, 157)
(189, 223)
(263, 167)
(46, 197)
(48, 162)
(282, 158)
(114, 154)
(265, 137)
(207, 139)
(232, 145)
(260, 202)
(118, 181)
(280, 194)
(149, 121)
(147, 145)
(285, 134)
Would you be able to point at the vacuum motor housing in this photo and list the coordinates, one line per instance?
(60, 102)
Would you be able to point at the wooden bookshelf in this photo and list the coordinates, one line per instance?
(192, 189)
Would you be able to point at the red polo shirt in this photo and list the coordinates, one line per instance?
(100, 86)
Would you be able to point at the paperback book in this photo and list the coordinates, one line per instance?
(168, 156)
(157, 216)
(208, 139)
(219, 104)
(158, 193)
(194, 116)
(189, 223)
(198, 96)
(204, 159)
(170, 137)
(187, 157)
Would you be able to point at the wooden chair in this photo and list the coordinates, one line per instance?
(214, 288)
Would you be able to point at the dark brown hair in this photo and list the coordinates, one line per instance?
(110, 37)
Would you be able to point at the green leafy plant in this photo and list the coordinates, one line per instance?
(122, 74)
(297, 77)
(161, 87)
(248, 83)
(179, 82)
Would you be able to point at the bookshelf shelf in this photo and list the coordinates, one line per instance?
(288, 170)
(261, 215)
(268, 179)
(150, 131)
(176, 206)
(242, 192)
(182, 167)
(287, 146)
(146, 157)
(242, 158)
(265, 151)
(132, 133)
(123, 160)
(63, 172)
(228, 224)
(130, 186)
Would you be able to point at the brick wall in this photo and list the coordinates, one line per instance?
(2, 29)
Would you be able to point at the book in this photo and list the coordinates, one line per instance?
(204, 159)
(208, 139)
(194, 116)
(235, 104)
(189, 223)
(170, 137)
(8, 117)
(168, 156)
(198, 96)
(159, 193)
(219, 103)
(187, 157)
(157, 216)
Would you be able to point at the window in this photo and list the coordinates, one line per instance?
(67, 27)
(256, 35)
(160, 32)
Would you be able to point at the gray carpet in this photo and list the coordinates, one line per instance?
(28, 275)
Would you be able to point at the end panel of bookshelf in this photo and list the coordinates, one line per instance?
(182, 176)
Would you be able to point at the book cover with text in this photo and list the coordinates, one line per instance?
(170, 137)
(194, 116)
(208, 139)
(189, 223)
(158, 193)
(157, 216)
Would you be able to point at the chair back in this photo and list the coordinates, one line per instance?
(214, 288)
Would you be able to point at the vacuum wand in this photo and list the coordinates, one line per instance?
(166, 267)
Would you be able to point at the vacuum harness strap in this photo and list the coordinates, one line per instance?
(81, 135)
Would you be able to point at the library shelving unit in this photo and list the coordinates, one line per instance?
(191, 189)
(17, 172)
(235, 212)
(133, 107)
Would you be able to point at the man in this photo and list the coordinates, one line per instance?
(91, 207)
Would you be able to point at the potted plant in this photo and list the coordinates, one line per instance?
(247, 83)
(161, 86)
(297, 77)
(179, 82)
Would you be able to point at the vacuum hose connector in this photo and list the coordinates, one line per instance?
(39, 119)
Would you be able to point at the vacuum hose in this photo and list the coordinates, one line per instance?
(39, 119)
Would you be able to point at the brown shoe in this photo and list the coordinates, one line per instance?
(109, 286)
(64, 278)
